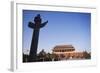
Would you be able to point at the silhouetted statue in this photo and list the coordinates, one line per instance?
(34, 43)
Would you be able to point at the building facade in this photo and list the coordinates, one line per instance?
(68, 52)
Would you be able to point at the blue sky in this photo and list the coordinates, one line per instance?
(63, 28)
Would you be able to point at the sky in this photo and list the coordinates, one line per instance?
(63, 28)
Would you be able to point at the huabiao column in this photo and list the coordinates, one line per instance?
(36, 25)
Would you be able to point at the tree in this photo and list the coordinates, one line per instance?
(41, 56)
(86, 55)
(25, 57)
